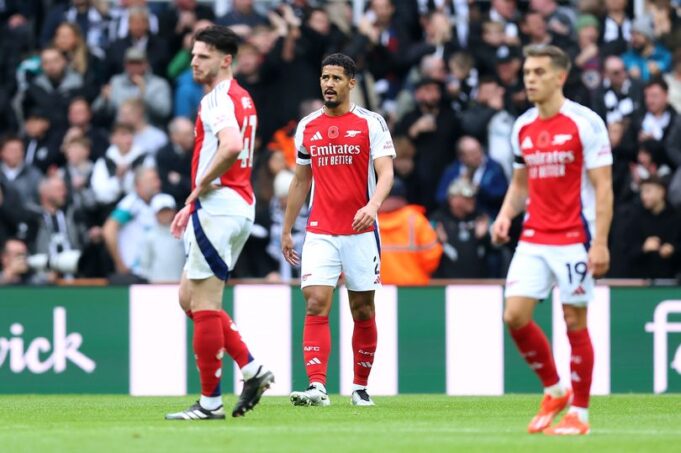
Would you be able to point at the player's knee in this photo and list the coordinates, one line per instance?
(363, 312)
(515, 319)
(317, 306)
(574, 319)
(184, 297)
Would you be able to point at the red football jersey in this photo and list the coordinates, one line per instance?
(226, 105)
(341, 150)
(557, 152)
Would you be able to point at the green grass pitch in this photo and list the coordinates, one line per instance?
(412, 423)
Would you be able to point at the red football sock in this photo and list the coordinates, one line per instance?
(581, 366)
(208, 347)
(535, 349)
(364, 338)
(316, 347)
(234, 344)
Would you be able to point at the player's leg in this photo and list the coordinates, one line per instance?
(361, 264)
(316, 346)
(529, 280)
(530, 339)
(320, 269)
(185, 296)
(364, 339)
(257, 378)
(208, 348)
(576, 289)
(576, 421)
(234, 345)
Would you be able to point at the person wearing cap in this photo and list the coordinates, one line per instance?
(654, 236)
(162, 256)
(410, 250)
(464, 233)
(645, 59)
(136, 81)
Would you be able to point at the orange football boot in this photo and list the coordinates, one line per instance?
(550, 407)
(570, 425)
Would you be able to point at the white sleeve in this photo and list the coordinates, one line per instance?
(518, 160)
(595, 142)
(302, 155)
(218, 115)
(379, 138)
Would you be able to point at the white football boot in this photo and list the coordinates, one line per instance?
(315, 395)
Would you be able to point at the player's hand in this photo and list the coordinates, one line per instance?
(599, 260)
(290, 254)
(364, 218)
(500, 230)
(200, 190)
(180, 221)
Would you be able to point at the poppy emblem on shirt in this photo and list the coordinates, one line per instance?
(333, 132)
(544, 139)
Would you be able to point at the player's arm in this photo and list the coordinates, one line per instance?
(514, 204)
(366, 216)
(230, 146)
(599, 256)
(297, 193)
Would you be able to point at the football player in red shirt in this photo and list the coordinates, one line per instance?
(218, 218)
(344, 153)
(562, 180)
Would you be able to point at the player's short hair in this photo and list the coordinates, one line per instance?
(559, 59)
(342, 60)
(658, 81)
(220, 37)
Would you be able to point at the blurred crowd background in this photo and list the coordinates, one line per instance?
(97, 105)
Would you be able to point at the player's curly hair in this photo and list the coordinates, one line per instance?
(559, 59)
(220, 37)
(342, 60)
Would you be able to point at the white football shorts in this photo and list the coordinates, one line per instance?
(213, 244)
(358, 256)
(536, 268)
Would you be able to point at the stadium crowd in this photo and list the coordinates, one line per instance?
(97, 104)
